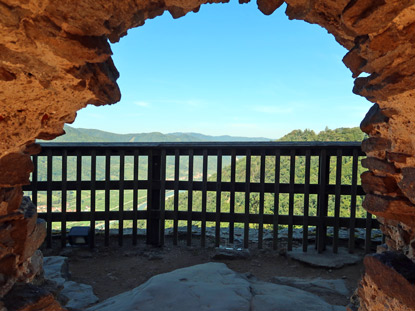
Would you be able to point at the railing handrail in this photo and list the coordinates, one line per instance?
(198, 147)
(206, 144)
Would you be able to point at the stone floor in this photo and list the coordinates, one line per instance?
(209, 286)
(110, 271)
(213, 286)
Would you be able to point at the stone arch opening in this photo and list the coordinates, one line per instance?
(55, 59)
(259, 56)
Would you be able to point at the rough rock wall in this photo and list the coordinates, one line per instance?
(55, 59)
(382, 45)
(397, 293)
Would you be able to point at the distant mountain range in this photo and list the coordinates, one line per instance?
(92, 135)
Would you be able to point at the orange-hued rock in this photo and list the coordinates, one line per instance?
(57, 58)
(385, 204)
(373, 298)
(28, 234)
(373, 120)
(354, 62)
(10, 199)
(376, 146)
(381, 166)
(32, 149)
(388, 283)
(379, 184)
(21, 235)
(269, 6)
(370, 16)
(407, 183)
(399, 237)
(15, 169)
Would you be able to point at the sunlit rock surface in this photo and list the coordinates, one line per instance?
(388, 283)
(56, 59)
(212, 286)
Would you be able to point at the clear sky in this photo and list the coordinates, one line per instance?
(229, 70)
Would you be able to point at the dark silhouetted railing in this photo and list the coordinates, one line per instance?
(139, 185)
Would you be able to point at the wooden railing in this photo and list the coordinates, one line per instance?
(67, 173)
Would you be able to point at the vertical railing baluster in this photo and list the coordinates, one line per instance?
(78, 183)
(352, 224)
(247, 198)
(153, 198)
(35, 160)
(150, 197)
(232, 198)
(93, 196)
(291, 200)
(306, 199)
(49, 175)
(204, 198)
(135, 194)
(324, 173)
(176, 197)
(218, 197)
(64, 196)
(337, 198)
(121, 199)
(163, 196)
(275, 224)
(190, 199)
(107, 196)
(261, 200)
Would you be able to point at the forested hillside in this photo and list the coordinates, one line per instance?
(339, 134)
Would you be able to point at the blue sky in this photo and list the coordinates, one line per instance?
(229, 70)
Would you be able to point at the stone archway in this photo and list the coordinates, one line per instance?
(55, 59)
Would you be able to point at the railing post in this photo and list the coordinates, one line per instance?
(49, 168)
(322, 205)
(154, 198)
(352, 223)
